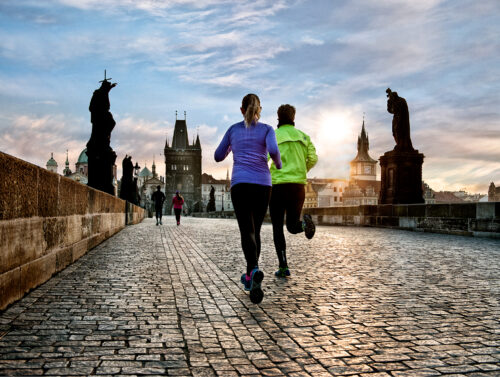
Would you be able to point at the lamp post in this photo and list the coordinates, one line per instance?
(136, 169)
(223, 199)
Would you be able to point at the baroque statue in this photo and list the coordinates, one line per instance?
(400, 122)
(127, 182)
(100, 154)
(211, 202)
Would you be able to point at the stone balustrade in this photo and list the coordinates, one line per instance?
(47, 222)
(468, 219)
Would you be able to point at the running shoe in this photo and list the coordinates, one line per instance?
(256, 293)
(308, 226)
(246, 283)
(282, 272)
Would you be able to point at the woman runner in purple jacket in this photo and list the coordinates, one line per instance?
(250, 141)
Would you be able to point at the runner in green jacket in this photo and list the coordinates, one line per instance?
(298, 156)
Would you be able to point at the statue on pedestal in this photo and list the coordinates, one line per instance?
(100, 155)
(211, 201)
(401, 168)
(127, 189)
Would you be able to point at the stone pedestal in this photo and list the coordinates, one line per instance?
(401, 178)
(101, 169)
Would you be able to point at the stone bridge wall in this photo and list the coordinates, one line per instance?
(468, 219)
(47, 222)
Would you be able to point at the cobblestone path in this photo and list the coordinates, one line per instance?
(167, 300)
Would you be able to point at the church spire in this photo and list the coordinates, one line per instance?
(363, 143)
(66, 170)
(197, 144)
(153, 168)
(363, 146)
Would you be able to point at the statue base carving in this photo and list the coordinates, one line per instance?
(101, 170)
(401, 177)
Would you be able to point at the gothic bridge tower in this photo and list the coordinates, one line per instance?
(182, 167)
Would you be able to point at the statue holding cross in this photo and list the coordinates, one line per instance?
(101, 156)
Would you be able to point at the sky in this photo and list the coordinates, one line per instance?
(331, 59)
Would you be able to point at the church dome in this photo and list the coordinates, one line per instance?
(145, 173)
(51, 161)
(83, 158)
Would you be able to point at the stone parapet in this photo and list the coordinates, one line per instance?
(47, 222)
(215, 214)
(469, 219)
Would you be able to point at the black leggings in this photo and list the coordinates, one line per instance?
(177, 212)
(250, 203)
(289, 198)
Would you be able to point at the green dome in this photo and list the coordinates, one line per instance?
(51, 161)
(83, 158)
(145, 173)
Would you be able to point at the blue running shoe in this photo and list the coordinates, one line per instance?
(308, 226)
(256, 293)
(282, 272)
(246, 283)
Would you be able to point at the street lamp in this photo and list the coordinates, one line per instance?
(223, 199)
(136, 169)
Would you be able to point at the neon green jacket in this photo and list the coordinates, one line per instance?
(298, 156)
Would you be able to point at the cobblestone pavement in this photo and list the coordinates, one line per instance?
(167, 300)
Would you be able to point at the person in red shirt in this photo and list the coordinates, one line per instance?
(178, 201)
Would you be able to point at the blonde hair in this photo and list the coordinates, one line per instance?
(251, 105)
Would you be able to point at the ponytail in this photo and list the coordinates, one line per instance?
(251, 105)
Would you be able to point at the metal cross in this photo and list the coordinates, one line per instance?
(105, 79)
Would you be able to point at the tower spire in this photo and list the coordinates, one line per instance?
(153, 168)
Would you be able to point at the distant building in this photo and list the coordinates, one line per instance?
(144, 175)
(363, 167)
(311, 191)
(324, 192)
(442, 197)
(147, 183)
(222, 192)
(468, 197)
(429, 196)
(82, 165)
(183, 167)
(363, 186)
(51, 164)
(81, 173)
(362, 192)
(493, 193)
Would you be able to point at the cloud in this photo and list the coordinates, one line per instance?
(35, 138)
(332, 63)
(312, 41)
